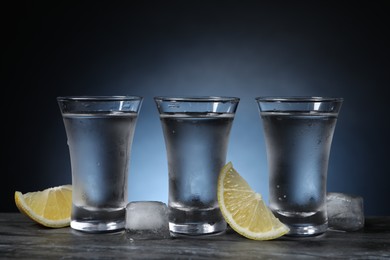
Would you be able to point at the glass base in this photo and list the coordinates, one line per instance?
(197, 229)
(306, 230)
(303, 224)
(98, 221)
(97, 226)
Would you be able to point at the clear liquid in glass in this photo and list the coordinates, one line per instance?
(298, 149)
(196, 145)
(100, 146)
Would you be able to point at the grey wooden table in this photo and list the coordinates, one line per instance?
(23, 239)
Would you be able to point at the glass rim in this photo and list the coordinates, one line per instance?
(197, 98)
(99, 98)
(302, 99)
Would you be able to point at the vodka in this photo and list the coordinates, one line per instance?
(99, 146)
(196, 145)
(298, 147)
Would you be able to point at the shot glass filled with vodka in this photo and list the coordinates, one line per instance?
(196, 132)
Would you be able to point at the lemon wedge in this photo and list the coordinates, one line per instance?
(244, 209)
(50, 207)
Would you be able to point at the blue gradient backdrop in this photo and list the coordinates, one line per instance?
(230, 48)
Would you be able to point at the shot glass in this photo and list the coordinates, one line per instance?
(100, 132)
(196, 132)
(298, 134)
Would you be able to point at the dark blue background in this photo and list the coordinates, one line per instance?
(230, 48)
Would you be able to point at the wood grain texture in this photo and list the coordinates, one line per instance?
(23, 239)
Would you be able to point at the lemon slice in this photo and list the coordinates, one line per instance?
(50, 207)
(244, 209)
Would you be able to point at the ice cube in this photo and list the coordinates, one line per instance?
(147, 220)
(345, 211)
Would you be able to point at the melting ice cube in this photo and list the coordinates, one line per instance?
(147, 220)
(345, 211)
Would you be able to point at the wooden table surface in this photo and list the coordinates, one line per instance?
(23, 239)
